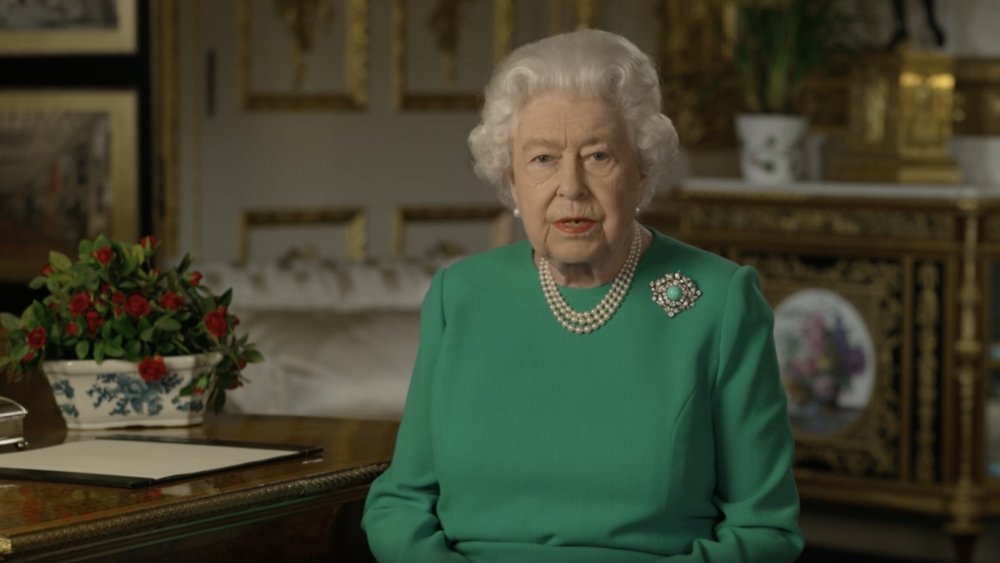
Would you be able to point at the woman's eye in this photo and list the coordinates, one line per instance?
(600, 156)
(542, 158)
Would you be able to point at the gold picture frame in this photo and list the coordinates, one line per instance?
(70, 171)
(98, 33)
(448, 35)
(353, 219)
(302, 34)
(164, 24)
(865, 444)
(498, 219)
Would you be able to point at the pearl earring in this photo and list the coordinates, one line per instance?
(517, 213)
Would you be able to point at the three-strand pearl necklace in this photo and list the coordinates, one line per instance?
(588, 321)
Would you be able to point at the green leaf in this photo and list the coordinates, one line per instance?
(113, 348)
(167, 324)
(253, 356)
(226, 298)
(10, 322)
(59, 261)
(99, 352)
(18, 351)
(133, 348)
(82, 348)
(124, 327)
(146, 335)
(84, 248)
(184, 265)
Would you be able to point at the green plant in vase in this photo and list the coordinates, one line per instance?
(778, 44)
(114, 307)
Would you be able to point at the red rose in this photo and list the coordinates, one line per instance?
(171, 301)
(36, 338)
(241, 363)
(152, 369)
(72, 329)
(194, 278)
(104, 255)
(28, 357)
(94, 321)
(148, 241)
(79, 303)
(46, 270)
(137, 306)
(215, 322)
(117, 298)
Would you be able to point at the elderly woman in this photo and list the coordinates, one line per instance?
(601, 392)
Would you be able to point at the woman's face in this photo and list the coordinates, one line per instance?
(576, 180)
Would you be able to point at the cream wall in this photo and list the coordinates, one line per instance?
(380, 158)
(376, 159)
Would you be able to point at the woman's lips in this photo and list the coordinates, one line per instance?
(575, 225)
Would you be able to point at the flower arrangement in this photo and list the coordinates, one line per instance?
(113, 303)
(823, 362)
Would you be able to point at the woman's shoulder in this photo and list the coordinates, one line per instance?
(501, 261)
(715, 275)
(667, 250)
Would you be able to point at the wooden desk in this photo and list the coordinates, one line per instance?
(306, 509)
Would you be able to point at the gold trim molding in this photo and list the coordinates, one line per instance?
(500, 220)
(869, 444)
(503, 31)
(928, 318)
(770, 219)
(355, 68)
(353, 219)
(166, 71)
(977, 96)
(75, 41)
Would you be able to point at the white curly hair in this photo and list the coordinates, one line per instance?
(585, 63)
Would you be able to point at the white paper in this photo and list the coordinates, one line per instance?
(135, 458)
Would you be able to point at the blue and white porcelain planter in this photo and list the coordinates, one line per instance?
(111, 394)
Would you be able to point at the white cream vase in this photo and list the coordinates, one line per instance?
(772, 147)
(111, 394)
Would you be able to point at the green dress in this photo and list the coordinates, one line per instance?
(655, 438)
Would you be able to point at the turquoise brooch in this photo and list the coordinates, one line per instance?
(675, 293)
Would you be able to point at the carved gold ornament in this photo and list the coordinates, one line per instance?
(301, 19)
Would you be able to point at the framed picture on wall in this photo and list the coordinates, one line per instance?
(68, 171)
(67, 27)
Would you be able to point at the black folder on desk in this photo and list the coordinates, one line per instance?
(132, 461)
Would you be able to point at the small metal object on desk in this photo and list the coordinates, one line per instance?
(12, 425)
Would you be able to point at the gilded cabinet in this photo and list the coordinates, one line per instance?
(884, 298)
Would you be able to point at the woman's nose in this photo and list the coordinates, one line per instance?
(571, 181)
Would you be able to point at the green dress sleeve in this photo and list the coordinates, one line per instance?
(755, 488)
(400, 512)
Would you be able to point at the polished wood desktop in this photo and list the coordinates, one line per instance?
(303, 509)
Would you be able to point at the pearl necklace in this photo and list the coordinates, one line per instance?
(588, 321)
